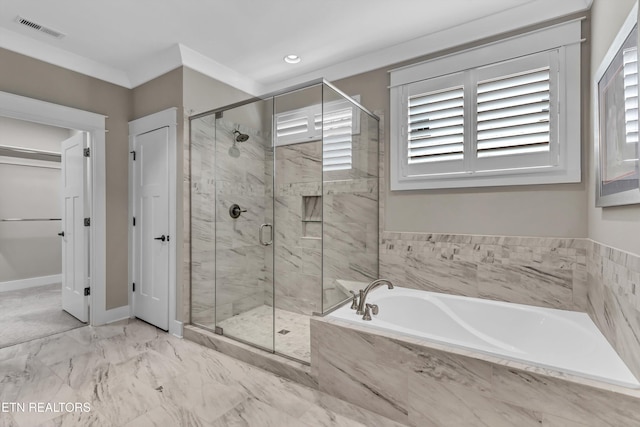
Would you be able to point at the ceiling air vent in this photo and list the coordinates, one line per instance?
(41, 28)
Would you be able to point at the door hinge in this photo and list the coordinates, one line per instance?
(86, 152)
(134, 154)
(87, 291)
(87, 222)
(134, 221)
(134, 287)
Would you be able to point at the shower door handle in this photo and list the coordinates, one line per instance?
(262, 242)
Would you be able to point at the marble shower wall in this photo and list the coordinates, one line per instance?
(298, 227)
(240, 271)
(613, 296)
(420, 385)
(326, 223)
(202, 232)
(350, 204)
(218, 181)
(547, 272)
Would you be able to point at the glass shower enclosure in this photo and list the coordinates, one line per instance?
(284, 214)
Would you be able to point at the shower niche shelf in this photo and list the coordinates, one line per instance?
(312, 217)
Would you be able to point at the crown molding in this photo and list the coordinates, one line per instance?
(209, 67)
(530, 13)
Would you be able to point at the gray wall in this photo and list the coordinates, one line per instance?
(29, 77)
(156, 95)
(30, 249)
(614, 226)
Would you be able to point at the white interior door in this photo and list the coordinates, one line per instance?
(151, 239)
(74, 243)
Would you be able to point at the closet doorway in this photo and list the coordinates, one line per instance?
(44, 239)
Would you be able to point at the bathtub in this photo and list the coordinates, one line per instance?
(560, 340)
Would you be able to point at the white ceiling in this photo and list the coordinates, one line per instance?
(243, 42)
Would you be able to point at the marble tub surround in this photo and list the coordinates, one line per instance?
(134, 375)
(426, 384)
(613, 295)
(547, 272)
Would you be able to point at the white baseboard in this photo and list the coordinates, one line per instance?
(175, 328)
(113, 315)
(14, 285)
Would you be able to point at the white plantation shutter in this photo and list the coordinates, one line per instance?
(435, 129)
(295, 126)
(513, 115)
(630, 75)
(341, 122)
(505, 113)
(337, 130)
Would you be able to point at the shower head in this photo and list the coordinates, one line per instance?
(240, 137)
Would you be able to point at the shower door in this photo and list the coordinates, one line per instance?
(243, 181)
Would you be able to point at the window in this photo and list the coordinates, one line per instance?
(630, 74)
(341, 121)
(504, 114)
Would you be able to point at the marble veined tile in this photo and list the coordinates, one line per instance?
(151, 368)
(168, 415)
(336, 408)
(370, 371)
(317, 416)
(252, 412)
(433, 404)
(207, 400)
(131, 379)
(83, 372)
(554, 421)
(92, 418)
(6, 420)
(527, 285)
(37, 383)
(122, 398)
(576, 402)
(54, 349)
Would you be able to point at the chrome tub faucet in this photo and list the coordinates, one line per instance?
(362, 305)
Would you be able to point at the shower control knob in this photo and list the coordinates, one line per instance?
(235, 210)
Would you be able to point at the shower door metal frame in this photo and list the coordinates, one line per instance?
(218, 114)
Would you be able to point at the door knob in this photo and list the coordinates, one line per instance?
(61, 234)
(163, 238)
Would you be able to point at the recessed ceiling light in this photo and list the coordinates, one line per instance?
(292, 59)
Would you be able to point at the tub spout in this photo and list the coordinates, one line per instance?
(371, 286)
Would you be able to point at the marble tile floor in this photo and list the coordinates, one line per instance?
(132, 374)
(32, 313)
(256, 326)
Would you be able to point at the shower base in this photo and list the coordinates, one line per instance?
(292, 334)
(279, 365)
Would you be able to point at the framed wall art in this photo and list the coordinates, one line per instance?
(616, 120)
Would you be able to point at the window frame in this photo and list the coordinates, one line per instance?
(561, 42)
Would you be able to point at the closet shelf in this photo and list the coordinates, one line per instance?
(29, 153)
